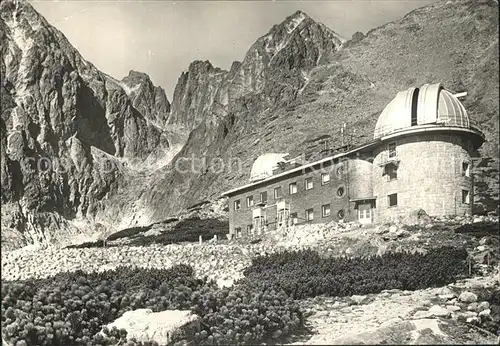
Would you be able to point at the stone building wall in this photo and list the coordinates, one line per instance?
(360, 177)
(429, 176)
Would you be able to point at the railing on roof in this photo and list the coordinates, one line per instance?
(388, 129)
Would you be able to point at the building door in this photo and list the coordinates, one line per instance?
(365, 213)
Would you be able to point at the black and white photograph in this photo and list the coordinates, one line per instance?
(249, 172)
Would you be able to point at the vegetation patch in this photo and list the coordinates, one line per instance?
(187, 230)
(72, 308)
(306, 274)
(480, 229)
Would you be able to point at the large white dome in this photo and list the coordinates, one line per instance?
(430, 104)
(263, 166)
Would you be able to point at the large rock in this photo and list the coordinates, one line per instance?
(163, 327)
(467, 297)
(439, 311)
(358, 300)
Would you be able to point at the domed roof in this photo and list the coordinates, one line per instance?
(263, 166)
(430, 104)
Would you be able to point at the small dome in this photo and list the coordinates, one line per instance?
(263, 166)
(431, 104)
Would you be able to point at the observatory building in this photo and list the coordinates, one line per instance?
(419, 158)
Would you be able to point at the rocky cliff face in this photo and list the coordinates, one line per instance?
(150, 100)
(66, 127)
(275, 65)
(194, 94)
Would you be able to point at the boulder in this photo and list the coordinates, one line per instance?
(473, 320)
(483, 306)
(453, 308)
(381, 230)
(393, 229)
(463, 316)
(467, 297)
(485, 313)
(439, 311)
(446, 293)
(472, 307)
(417, 217)
(358, 300)
(164, 327)
(422, 314)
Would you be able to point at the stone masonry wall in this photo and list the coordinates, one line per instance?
(429, 176)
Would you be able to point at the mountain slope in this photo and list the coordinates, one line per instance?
(295, 88)
(66, 128)
(453, 42)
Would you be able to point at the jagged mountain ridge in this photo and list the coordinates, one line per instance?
(274, 63)
(352, 86)
(206, 99)
(296, 86)
(62, 120)
(118, 122)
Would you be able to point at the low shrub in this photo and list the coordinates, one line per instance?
(306, 274)
(480, 229)
(71, 308)
(187, 230)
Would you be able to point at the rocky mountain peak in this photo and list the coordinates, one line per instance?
(149, 99)
(194, 94)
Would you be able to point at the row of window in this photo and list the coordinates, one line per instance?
(392, 199)
(292, 189)
(392, 171)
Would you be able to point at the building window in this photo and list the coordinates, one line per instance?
(250, 201)
(340, 191)
(340, 170)
(249, 229)
(292, 188)
(310, 214)
(277, 192)
(465, 197)
(466, 169)
(309, 183)
(392, 149)
(341, 214)
(294, 218)
(237, 205)
(263, 197)
(325, 178)
(393, 199)
(237, 232)
(392, 172)
(325, 210)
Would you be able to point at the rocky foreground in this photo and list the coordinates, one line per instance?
(403, 317)
(454, 313)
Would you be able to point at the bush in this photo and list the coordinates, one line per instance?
(71, 308)
(479, 229)
(187, 230)
(305, 274)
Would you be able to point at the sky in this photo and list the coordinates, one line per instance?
(161, 38)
